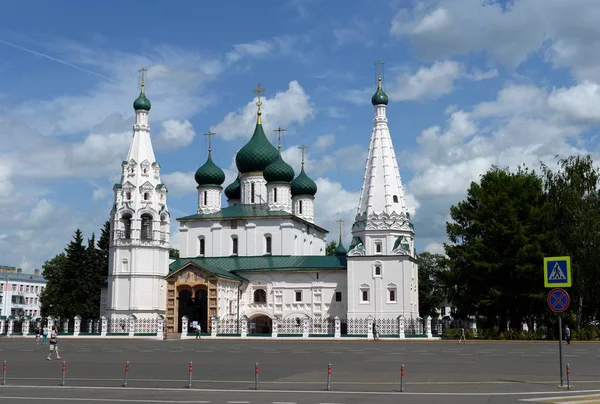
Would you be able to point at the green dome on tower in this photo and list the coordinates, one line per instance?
(209, 174)
(258, 153)
(279, 171)
(234, 190)
(303, 185)
(340, 249)
(142, 102)
(379, 98)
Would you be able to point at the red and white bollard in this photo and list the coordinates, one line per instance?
(329, 377)
(126, 377)
(64, 373)
(191, 370)
(4, 369)
(568, 376)
(256, 376)
(402, 378)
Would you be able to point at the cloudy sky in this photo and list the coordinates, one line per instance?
(471, 83)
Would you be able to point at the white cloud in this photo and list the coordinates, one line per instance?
(288, 107)
(333, 202)
(580, 102)
(179, 183)
(99, 194)
(427, 83)
(255, 49)
(176, 134)
(479, 75)
(324, 142)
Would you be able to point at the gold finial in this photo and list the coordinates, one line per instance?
(303, 147)
(143, 71)
(379, 72)
(210, 135)
(258, 91)
(341, 222)
(280, 129)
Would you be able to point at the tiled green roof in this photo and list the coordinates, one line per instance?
(117, 186)
(247, 212)
(234, 267)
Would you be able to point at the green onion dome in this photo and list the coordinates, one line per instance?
(303, 185)
(257, 154)
(234, 190)
(142, 102)
(340, 249)
(379, 98)
(279, 171)
(209, 174)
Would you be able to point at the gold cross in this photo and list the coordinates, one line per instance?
(279, 130)
(303, 147)
(379, 64)
(341, 221)
(143, 70)
(259, 90)
(210, 135)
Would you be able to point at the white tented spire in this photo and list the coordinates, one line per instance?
(382, 190)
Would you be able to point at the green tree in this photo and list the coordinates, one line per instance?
(431, 288)
(51, 299)
(574, 215)
(497, 237)
(103, 250)
(74, 285)
(330, 249)
(173, 253)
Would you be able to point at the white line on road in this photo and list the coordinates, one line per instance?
(283, 402)
(111, 400)
(238, 402)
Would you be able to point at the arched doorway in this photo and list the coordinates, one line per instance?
(260, 324)
(195, 307)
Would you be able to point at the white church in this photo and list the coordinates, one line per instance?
(261, 258)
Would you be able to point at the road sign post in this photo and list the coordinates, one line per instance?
(558, 301)
(557, 272)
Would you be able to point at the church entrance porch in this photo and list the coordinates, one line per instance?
(260, 325)
(194, 305)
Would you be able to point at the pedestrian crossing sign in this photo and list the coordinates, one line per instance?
(557, 272)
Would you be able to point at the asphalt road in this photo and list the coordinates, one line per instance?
(295, 371)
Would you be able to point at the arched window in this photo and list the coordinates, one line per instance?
(126, 218)
(252, 193)
(260, 296)
(146, 196)
(268, 244)
(202, 245)
(205, 198)
(234, 245)
(378, 247)
(364, 293)
(377, 270)
(128, 195)
(146, 233)
(392, 295)
(392, 290)
(275, 195)
(395, 198)
(300, 207)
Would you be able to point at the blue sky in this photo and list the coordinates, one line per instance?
(470, 85)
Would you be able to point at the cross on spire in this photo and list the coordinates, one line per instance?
(303, 147)
(210, 135)
(279, 130)
(143, 71)
(258, 91)
(379, 65)
(341, 222)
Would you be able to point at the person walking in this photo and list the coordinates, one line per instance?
(53, 345)
(45, 335)
(198, 330)
(568, 335)
(463, 337)
(38, 335)
(375, 334)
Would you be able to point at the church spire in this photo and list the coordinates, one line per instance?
(259, 90)
(141, 146)
(340, 249)
(382, 190)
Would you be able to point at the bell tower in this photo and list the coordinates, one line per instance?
(140, 228)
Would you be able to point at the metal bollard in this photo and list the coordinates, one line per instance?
(256, 376)
(4, 369)
(126, 377)
(568, 376)
(191, 369)
(64, 373)
(329, 377)
(402, 378)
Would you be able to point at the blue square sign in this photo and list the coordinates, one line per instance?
(557, 272)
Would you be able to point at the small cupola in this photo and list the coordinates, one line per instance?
(380, 97)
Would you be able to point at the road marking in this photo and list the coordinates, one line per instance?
(295, 392)
(283, 402)
(106, 400)
(238, 402)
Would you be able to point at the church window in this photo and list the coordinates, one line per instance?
(146, 227)
(252, 193)
(260, 296)
(300, 207)
(395, 198)
(205, 198)
(338, 296)
(126, 225)
(128, 195)
(202, 246)
(268, 244)
(365, 295)
(275, 195)
(146, 196)
(392, 295)
(378, 247)
(377, 270)
(234, 246)
(298, 296)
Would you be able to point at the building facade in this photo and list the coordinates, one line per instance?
(260, 257)
(20, 293)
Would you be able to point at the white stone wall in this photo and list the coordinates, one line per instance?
(303, 207)
(398, 274)
(317, 289)
(260, 188)
(284, 197)
(288, 237)
(209, 199)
